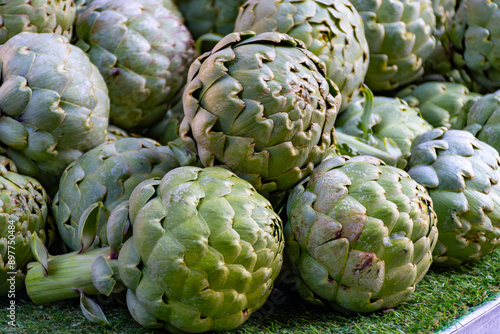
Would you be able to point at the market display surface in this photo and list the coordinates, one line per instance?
(291, 166)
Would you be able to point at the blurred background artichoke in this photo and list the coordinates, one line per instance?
(142, 50)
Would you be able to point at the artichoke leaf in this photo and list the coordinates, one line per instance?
(40, 252)
(91, 310)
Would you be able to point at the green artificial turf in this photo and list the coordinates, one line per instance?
(443, 296)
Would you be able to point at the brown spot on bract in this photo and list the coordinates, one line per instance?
(367, 260)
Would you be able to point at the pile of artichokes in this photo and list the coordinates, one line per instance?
(177, 154)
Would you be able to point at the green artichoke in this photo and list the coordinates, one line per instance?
(385, 129)
(209, 16)
(360, 234)
(439, 102)
(53, 105)
(142, 50)
(331, 29)
(261, 106)
(38, 16)
(481, 117)
(400, 35)
(23, 212)
(462, 176)
(475, 42)
(204, 253)
(104, 177)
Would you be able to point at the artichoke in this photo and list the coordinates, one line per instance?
(360, 234)
(261, 106)
(210, 16)
(382, 126)
(204, 253)
(439, 102)
(53, 105)
(481, 117)
(38, 16)
(330, 29)
(23, 212)
(462, 176)
(475, 42)
(142, 50)
(400, 35)
(104, 177)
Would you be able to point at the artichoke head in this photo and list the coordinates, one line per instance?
(360, 234)
(385, 130)
(400, 35)
(38, 16)
(23, 212)
(222, 246)
(331, 29)
(142, 50)
(203, 256)
(260, 105)
(53, 105)
(462, 176)
(104, 177)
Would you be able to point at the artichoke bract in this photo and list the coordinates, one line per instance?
(204, 253)
(104, 177)
(360, 234)
(260, 105)
(439, 102)
(114, 133)
(38, 16)
(53, 105)
(385, 130)
(482, 119)
(331, 29)
(444, 10)
(170, 5)
(23, 212)
(475, 40)
(210, 16)
(462, 176)
(142, 50)
(400, 38)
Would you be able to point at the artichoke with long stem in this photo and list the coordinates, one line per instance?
(204, 253)
(104, 177)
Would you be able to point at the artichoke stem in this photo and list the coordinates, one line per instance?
(365, 149)
(367, 112)
(67, 274)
